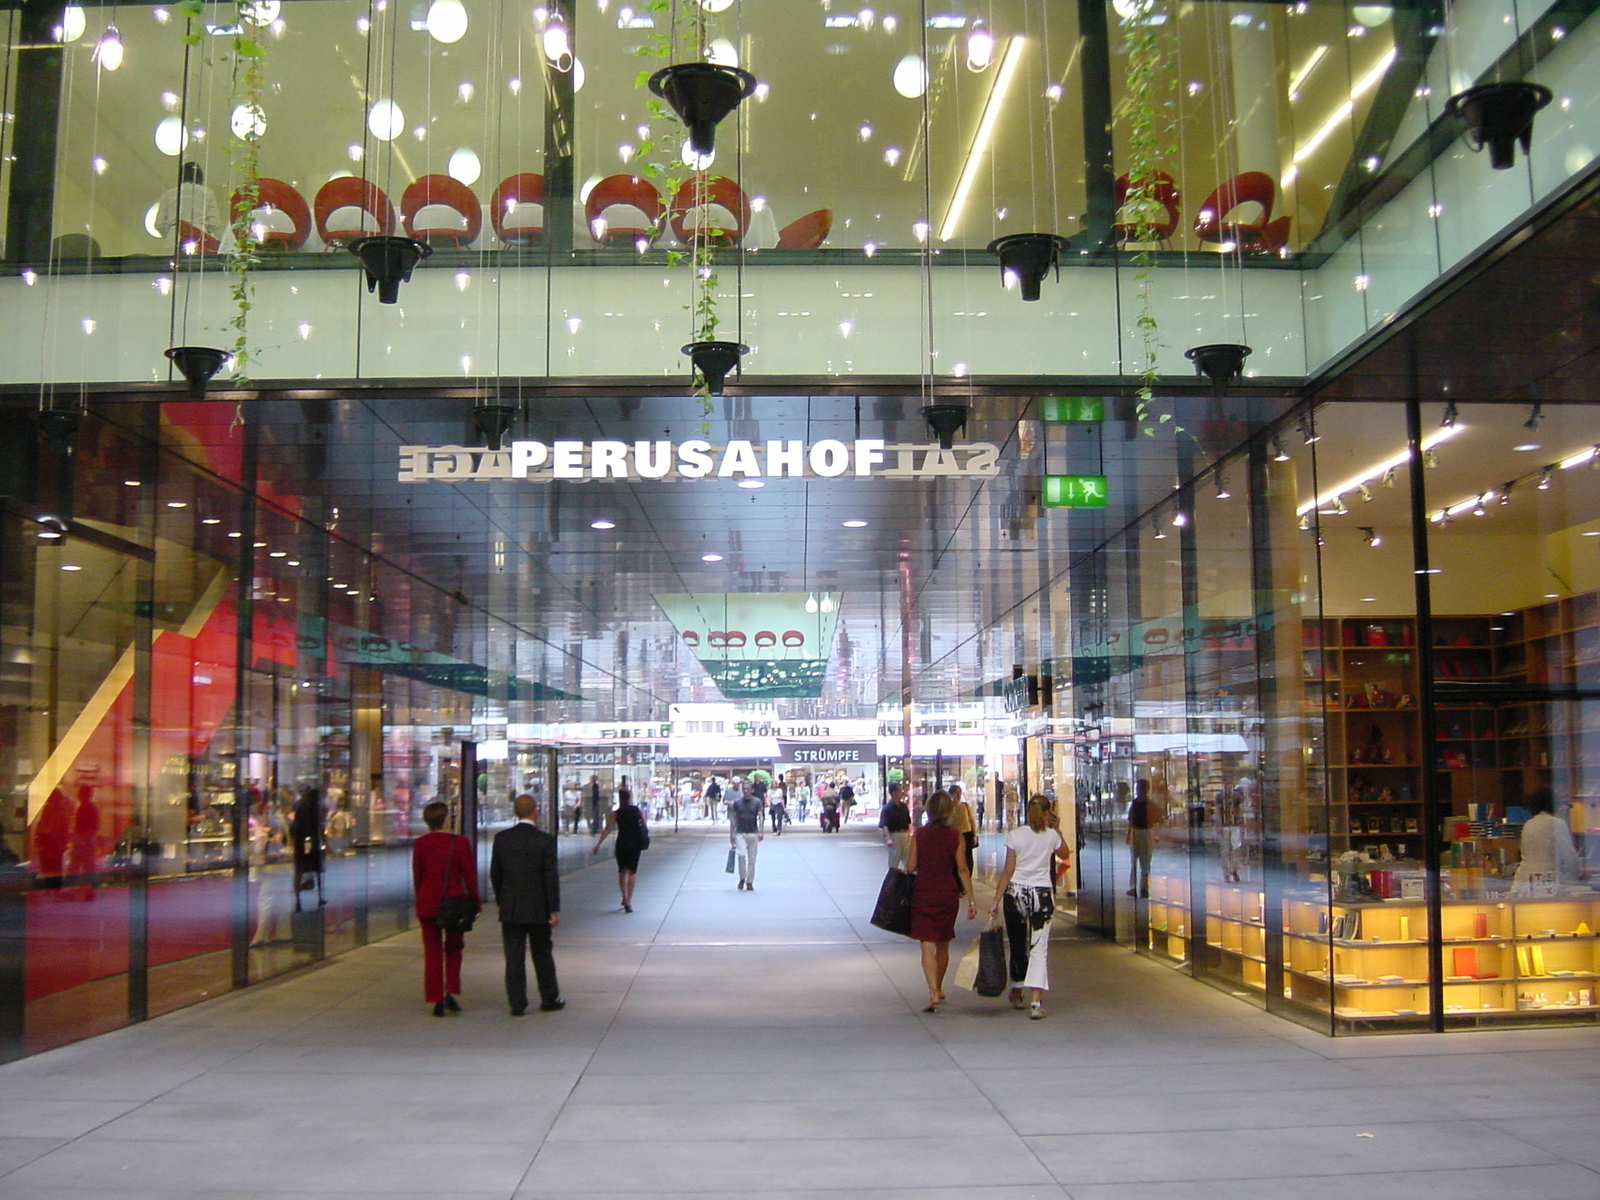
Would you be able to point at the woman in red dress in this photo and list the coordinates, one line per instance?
(441, 865)
(938, 867)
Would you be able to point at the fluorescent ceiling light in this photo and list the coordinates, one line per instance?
(1341, 114)
(983, 137)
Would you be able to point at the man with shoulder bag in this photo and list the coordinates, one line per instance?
(527, 885)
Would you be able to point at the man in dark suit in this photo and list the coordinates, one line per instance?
(527, 886)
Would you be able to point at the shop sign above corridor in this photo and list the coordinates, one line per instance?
(541, 462)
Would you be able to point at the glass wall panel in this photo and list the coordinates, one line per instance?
(1516, 683)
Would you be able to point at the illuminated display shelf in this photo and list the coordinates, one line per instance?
(1527, 956)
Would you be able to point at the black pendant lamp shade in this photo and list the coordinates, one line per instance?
(1030, 257)
(493, 420)
(388, 262)
(1499, 115)
(1222, 362)
(946, 420)
(197, 364)
(714, 360)
(59, 424)
(702, 94)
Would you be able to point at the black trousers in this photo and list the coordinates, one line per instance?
(519, 939)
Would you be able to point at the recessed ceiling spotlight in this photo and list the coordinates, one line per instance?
(130, 483)
(855, 523)
(211, 520)
(70, 567)
(1369, 599)
(711, 558)
(602, 523)
(177, 504)
(1524, 447)
(752, 484)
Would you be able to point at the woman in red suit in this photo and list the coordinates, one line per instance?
(937, 865)
(439, 859)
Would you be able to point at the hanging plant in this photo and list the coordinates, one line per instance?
(246, 60)
(700, 93)
(1149, 112)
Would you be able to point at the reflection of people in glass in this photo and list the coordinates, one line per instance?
(83, 858)
(1548, 854)
(191, 203)
(341, 826)
(51, 833)
(1141, 822)
(305, 828)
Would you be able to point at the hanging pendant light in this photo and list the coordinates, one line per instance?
(1221, 362)
(1499, 116)
(702, 94)
(811, 602)
(197, 364)
(945, 420)
(713, 360)
(1029, 257)
(388, 262)
(108, 53)
(493, 421)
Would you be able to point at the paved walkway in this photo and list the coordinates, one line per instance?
(769, 1045)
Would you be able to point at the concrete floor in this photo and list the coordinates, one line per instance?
(769, 1044)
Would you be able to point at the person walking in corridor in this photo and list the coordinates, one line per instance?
(1027, 887)
(441, 865)
(627, 822)
(895, 821)
(744, 835)
(938, 867)
(527, 886)
(594, 804)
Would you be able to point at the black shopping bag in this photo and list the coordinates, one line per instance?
(733, 858)
(991, 977)
(893, 910)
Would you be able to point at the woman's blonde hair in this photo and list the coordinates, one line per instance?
(1039, 812)
(938, 808)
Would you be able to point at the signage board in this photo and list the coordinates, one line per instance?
(617, 461)
(1072, 408)
(1074, 491)
(834, 754)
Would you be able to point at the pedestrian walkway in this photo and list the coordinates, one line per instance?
(769, 1046)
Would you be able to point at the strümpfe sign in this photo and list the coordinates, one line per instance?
(542, 462)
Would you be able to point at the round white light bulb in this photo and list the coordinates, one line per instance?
(722, 52)
(465, 166)
(73, 23)
(386, 120)
(171, 136)
(247, 122)
(910, 76)
(447, 21)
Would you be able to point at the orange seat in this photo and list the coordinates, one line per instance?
(194, 240)
(347, 206)
(516, 209)
(1164, 191)
(275, 197)
(1263, 235)
(441, 211)
(807, 232)
(623, 208)
(715, 204)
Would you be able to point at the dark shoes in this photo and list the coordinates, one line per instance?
(438, 1009)
(553, 1006)
(519, 1010)
(450, 1004)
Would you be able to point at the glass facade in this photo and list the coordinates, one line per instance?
(1367, 754)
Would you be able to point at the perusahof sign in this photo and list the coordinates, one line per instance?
(541, 462)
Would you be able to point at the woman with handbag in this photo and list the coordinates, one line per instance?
(937, 864)
(445, 878)
(1027, 884)
(627, 821)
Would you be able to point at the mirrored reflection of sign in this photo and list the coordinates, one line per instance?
(758, 645)
(641, 461)
(1074, 491)
(1072, 408)
(843, 754)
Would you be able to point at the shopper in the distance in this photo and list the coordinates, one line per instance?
(744, 835)
(441, 865)
(628, 823)
(894, 819)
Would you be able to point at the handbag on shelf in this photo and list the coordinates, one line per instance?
(733, 859)
(893, 910)
(456, 913)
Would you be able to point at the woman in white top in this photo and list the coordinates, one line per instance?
(1027, 882)
(1549, 857)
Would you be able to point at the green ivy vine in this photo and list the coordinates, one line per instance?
(246, 59)
(1149, 110)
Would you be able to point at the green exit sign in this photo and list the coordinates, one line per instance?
(1072, 408)
(1074, 491)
